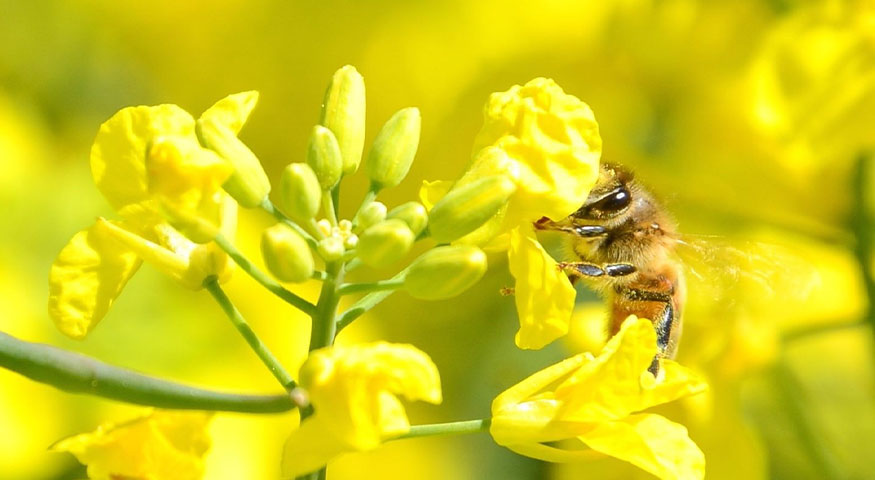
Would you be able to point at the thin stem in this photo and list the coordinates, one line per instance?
(324, 325)
(863, 226)
(76, 373)
(270, 208)
(378, 286)
(249, 335)
(369, 198)
(451, 428)
(328, 206)
(366, 303)
(263, 278)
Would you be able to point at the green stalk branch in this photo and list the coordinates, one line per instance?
(863, 226)
(260, 349)
(272, 285)
(451, 428)
(378, 286)
(270, 208)
(76, 373)
(366, 303)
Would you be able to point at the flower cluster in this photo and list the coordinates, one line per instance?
(177, 182)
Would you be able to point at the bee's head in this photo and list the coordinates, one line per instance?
(611, 197)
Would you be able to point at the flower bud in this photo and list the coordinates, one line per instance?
(372, 214)
(394, 148)
(330, 248)
(286, 254)
(444, 272)
(385, 243)
(343, 112)
(411, 213)
(324, 157)
(464, 209)
(248, 184)
(300, 194)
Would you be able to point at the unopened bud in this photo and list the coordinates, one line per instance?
(372, 214)
(385, 243)
(324, 157)
(248, 184)
(351, 241)
(444, 272)
(286, 254)
(464, 209)
(394, 148)
(343, 112)
(331, 248)
(300, 194)
(411, 213)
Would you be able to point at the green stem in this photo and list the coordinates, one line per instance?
(863, 226)
(263, 278)
(270, 208)
(378, 286)
(451, 428)
(76, 373)
(366, 303)
(260, 349)
(328, 206)
(324, 324)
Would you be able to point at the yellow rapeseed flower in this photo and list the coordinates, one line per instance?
(547, 142)
(148, 164)
(592, 400)
(353, 390)
(163, 445)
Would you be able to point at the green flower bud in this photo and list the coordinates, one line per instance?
(385, 243)
(248, 184)
(324, 157)
(394, 148)
(413, 214)
(331, 248)
(464, 209)
(372, 214)
(343, 112)
(300, 194)
(286, 254)
(445, 272)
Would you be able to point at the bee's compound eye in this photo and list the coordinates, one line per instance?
(607, 206)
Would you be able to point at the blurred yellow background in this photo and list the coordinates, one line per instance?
(746, 117)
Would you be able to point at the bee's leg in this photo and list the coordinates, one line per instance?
(659, 307)
(576, 270)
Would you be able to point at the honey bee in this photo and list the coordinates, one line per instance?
(624, 241)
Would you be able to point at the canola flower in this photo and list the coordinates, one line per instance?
(176, 183)
(162, 445)
(593, 400)
(148, 164)
(537, 155)
(355, 392)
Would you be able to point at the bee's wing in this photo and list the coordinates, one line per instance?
(753, 271)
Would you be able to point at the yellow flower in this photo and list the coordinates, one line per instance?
(163, 445)
(353, 390)
(548, 143)
(147, 162)
(592, 400)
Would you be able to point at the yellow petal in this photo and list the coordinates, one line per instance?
(232, 111)
(538, 382)
(310, 447)
(650, 442)
(544, 296)
(675, 381)
(552, 142)
(431, 192)
(118, 156)
(163, 445)
(348, 386)
(549, 453)
(186, 180)
(610, 387)
(166, 260)
(86, 278)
